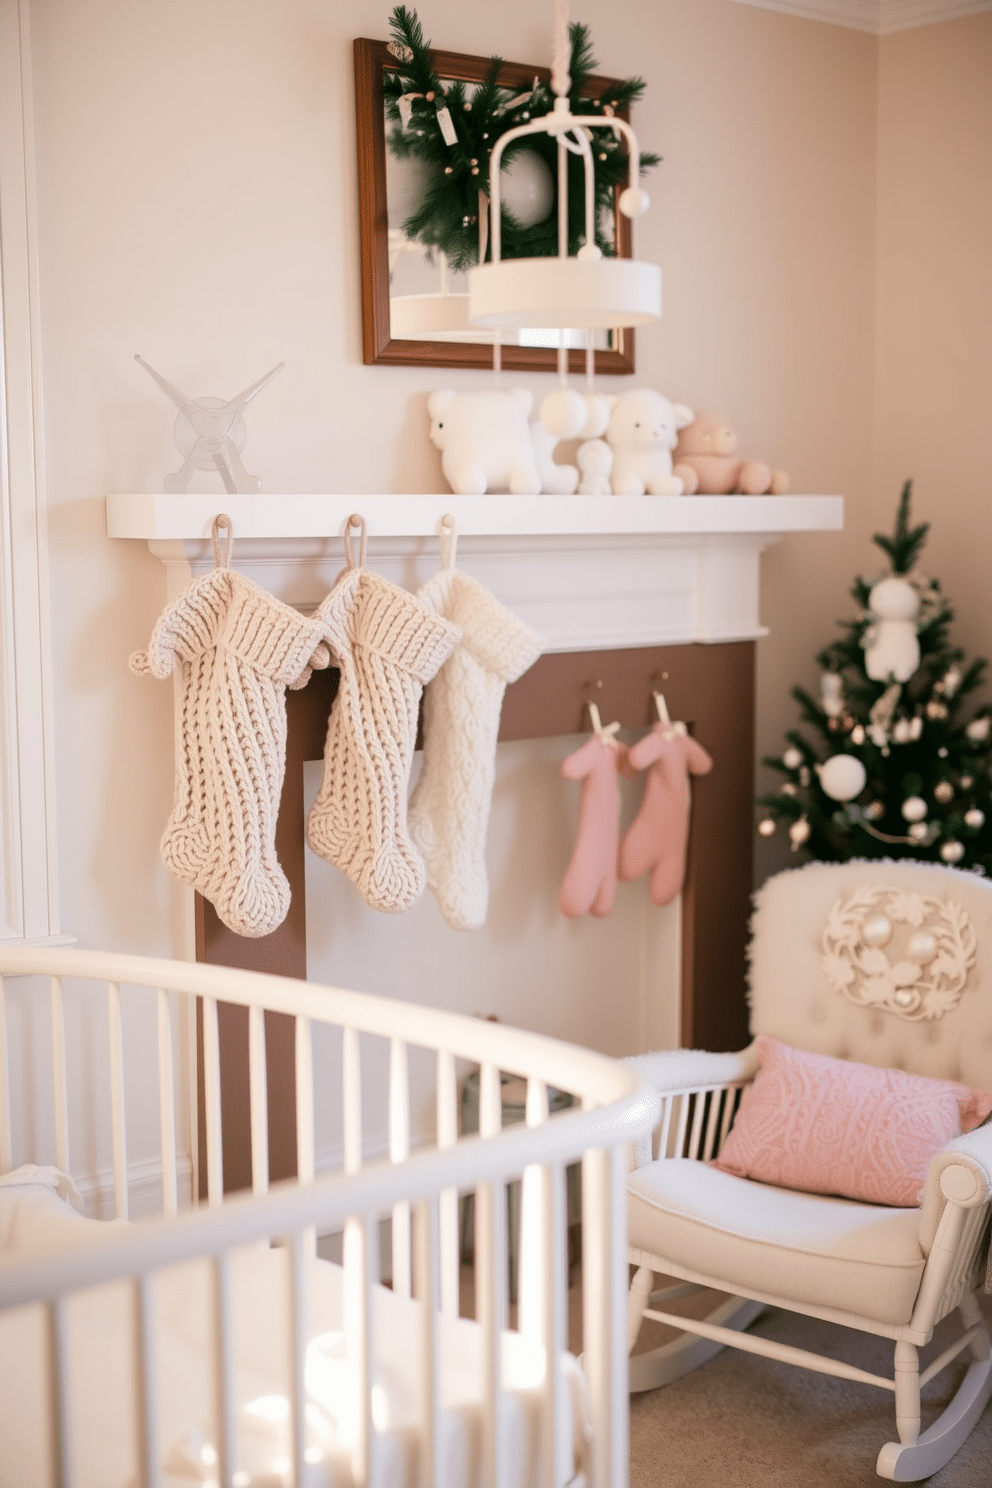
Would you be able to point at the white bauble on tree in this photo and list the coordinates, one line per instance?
(526, 188)
(893, 648)
(952, 852)
(914, 808)
(842, 777)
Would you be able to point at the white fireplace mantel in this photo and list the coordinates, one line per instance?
(587, 572)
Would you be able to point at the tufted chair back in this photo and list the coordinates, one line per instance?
(887, 963)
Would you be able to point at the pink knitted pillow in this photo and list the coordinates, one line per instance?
(834, 1127)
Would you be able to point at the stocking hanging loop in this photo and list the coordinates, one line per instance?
(449, 540)
(222, 523)
(355, 520)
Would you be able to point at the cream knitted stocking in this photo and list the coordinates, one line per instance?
(449, 809)
(388, 646)
(238, 650)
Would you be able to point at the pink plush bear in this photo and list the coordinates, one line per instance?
(707, 462)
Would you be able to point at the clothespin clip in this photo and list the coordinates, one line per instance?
(672, 730)
(605, 733)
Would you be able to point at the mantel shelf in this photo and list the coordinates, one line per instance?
(158, 518)
(588, 572)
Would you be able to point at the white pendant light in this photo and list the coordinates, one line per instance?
(587, 291)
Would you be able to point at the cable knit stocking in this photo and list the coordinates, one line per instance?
(656, 839)
(449, 809)
(388, 646)
(238, 650)
(590, 882)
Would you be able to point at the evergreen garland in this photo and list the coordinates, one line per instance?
(916, 740)
(448, 217)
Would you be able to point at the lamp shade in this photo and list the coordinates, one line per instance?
(565, 292)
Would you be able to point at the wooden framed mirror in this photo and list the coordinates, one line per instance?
(381, 211)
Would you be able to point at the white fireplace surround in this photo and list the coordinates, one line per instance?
(589, 573)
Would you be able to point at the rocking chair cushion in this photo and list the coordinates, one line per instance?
(778, 1243)
(833, 1126)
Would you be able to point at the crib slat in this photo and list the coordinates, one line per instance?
(147, 1375)
(447, 1136)
(167, 1105)
(553, 1323)
(729, 1099)
(6, 1154)
(426, 1223)
(666, 1125)
(117, 1098)
(358, 1339)
(399, 1151)
(60, 1091)
(351, 1096)
(298, 1354)
(60, 1424)
(490, 1280)
(211, 1101)
(530, 1241)
(304, 1117)
(711, 1124)
(604, 1287)
(224, 1366)
(258, 1100)
(683, 1123)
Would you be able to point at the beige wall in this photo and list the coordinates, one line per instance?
(934, 309)
(197, 203)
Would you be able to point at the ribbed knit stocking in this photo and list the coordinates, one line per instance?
(449, 808)
(388, 646)
(656, 839)
(238, 650)
(590, 882)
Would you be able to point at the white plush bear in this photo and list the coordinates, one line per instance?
(892, 647)
(485, 441)
(642, 433)
(595, 459)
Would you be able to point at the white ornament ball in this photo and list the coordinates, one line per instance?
(792, 758)
(526, 188)
(564, 413)
(914, 808)
(975, 817)
(589, 253)
(766, 827)
(634, 202)
(918, 831)
(978, 730)
(921, 947)
(943, 791)
(799, 833)
(952, 852)
(842, 777)
(877, 931)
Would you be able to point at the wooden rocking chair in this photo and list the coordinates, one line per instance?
(893, 1272)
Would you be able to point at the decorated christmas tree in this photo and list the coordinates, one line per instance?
(892, 762)
(453, 127)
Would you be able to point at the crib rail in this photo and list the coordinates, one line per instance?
(418, 1191)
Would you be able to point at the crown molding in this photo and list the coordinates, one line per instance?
(879, 17)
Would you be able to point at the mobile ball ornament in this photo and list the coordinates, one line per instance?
(842, 777)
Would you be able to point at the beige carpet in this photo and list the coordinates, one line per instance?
(741, 1421)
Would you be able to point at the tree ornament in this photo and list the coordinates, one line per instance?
(943, 791)
(874, 811)
(792, 758)
(766, 827)
(789, 789)
(978, 729)
(799, 833)
(966, 782)
(919, 831)
(914, 808)
(842, 777)
(892, 648)
(857, 735)
(831, 694)
(952, 852)
(974, 818)
(936, 709)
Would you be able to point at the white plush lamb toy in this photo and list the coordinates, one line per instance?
(485, 441)
(642, 433)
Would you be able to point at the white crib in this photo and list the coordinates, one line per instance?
(265, 1243)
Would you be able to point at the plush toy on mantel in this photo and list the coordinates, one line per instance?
(642, 433)
(707, 461)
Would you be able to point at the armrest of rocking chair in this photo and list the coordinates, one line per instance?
(971, 1152)
(670, 1071)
